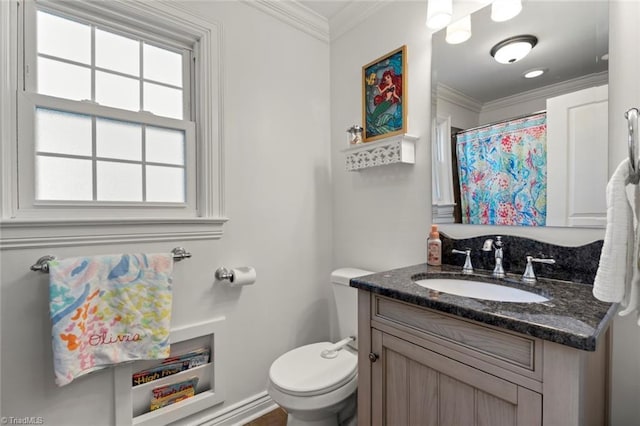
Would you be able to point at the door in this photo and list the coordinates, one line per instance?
(576, 135)
(412, 385)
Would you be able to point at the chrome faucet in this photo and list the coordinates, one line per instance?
(497, 245)
(467, 269)
(529, 276)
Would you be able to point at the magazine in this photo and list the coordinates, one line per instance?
(159, 372)
(173, 392)
(172, 365)
(196, 357)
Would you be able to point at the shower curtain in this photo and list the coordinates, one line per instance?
(503, 172)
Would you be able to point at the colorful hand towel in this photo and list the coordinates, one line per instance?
(108, 309)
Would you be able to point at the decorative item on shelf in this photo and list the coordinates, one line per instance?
(384, 89)
(355, 134)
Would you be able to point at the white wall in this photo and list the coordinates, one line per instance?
(278, 199)
(624, 93)
(381, 216)
(461, 117)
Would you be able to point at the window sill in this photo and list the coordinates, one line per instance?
(37, 233)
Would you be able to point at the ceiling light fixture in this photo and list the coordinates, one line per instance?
(459, 31)
(439, 13)
(503, 10)
(513, 49)
(534, 73)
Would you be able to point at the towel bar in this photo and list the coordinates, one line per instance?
(42, 264)
(634, 143)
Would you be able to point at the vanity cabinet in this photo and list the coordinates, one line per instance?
(419, 366)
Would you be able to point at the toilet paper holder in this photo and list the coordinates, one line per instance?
(223, 273)
(243, 275)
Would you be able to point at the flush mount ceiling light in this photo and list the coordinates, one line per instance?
(503, 10)
(439, 13)
(513, 49)
(459, 31)
(534, 73)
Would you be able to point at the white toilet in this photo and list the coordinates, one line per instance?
(320, 390)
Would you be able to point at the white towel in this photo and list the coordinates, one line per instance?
(631, 302)
(613, 279)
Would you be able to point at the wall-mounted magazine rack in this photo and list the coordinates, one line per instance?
(132, 402)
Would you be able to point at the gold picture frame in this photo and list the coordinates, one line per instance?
(384, 96)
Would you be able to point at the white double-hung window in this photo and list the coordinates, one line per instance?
(116, 115)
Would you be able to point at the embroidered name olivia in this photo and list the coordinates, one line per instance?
(108, 339)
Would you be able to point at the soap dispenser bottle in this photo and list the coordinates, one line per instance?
(434, 247)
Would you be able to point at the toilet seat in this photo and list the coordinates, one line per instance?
(303, 372)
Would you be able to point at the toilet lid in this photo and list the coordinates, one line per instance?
(304, 371)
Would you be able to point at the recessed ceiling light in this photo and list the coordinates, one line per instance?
(513, 49)
(534, 73)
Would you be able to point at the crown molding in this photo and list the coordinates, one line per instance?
(550, 91)
(456, 97)
(296, 15)
(301, 17)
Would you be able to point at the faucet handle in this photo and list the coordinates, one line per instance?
(467, 269)
(529, 276)
(489, 243)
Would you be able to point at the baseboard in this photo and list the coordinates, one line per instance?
(242, 412)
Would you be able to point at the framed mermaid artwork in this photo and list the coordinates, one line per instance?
(384, 96)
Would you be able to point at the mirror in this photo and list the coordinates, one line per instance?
(560, 177)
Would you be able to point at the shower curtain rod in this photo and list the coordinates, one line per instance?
(519, 117)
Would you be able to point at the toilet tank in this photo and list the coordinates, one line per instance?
(346, 300)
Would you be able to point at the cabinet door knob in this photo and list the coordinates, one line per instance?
(373, 357)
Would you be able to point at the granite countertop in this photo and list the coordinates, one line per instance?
(571, 317)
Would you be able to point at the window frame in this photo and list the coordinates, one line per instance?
(62, 224)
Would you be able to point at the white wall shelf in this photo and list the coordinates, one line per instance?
(132, 402)
(391, 150)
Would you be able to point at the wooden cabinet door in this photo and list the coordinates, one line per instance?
(414, 386)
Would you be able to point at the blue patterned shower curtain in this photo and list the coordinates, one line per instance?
(503, 172)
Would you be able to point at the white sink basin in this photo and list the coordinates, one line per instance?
(480, 290)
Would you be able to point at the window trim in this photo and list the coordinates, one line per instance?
(22, 228)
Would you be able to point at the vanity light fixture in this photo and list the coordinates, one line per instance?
(534, 73)
(513, 49)
(503, 10)
(439, 13)
(459, 31)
